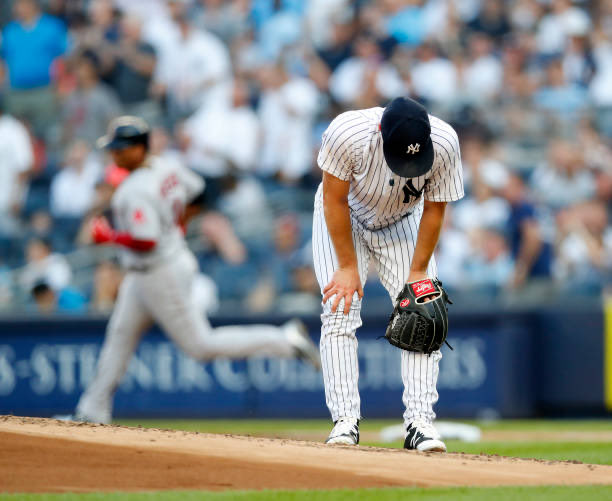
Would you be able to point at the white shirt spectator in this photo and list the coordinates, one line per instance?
(574, 258)
(16, 157)
(219, 136)
(554, 29)
(601, 85)
(438, 70)
(53, 270)
(239, 205)
(281, 30)
(320, 18)
(347, 82)
(144, 9)
(286, 115)
(557, 190)
(452, 253)
(483, 77)
(471, 214)
(196, 70)
(73, 188)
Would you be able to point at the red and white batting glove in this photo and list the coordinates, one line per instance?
(101, 231)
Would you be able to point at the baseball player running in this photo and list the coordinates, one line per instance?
(387, 176)
(148, 209)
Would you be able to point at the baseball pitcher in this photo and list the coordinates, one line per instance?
(387, 176)
(148, 209)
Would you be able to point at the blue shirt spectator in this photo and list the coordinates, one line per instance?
(66, 300)
(531, 252)
(407, 26)
(521, 215)
(559, 96)
(29, 47)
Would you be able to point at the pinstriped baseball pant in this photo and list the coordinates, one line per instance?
(390, 249)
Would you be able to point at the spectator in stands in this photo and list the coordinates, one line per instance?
(43, 265)
(41, 225)
(6, 287)
(48, 300)
(210, 137)
(282, 266)
(578, 59)
(287, 244)
(532, 72)
(482, 76)
(161, 145)
(73, 188)
(103, 28)
(16, 161)
(194, 66)
(287, 110)
(564, 179)
(484, 176)
(603, 188)
(584, 262)
(405, 21)
(30, 46)
(452, 253)
(492, 20)
(531, 253)
(484, 208)
(432, 66)
(240, 198)
(97, 29)
(89, 109)
(107, 279)
(225, 19)
(217, 231)
(130, 64)
(555, 27)
(335, 47)
(490, 266)
(365, 79)
(304, 296)
(280, 28)
(558, 96)
(600, 88)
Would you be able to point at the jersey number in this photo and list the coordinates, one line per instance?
(410, 191)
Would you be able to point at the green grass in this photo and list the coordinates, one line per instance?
(587, 452)
(596, 452)
(591, 493)
(271, 425)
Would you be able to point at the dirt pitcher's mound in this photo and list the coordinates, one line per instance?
(42, 455)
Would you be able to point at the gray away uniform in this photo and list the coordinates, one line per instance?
(157, 287)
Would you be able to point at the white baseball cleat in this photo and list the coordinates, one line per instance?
(422, 436)
(298, 337)
(344, 432)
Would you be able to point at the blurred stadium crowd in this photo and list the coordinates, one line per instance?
(241, 91)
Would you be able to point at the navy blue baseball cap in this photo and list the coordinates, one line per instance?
(125, 131)
(406, 135)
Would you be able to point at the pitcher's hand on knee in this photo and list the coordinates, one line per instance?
(344, 283)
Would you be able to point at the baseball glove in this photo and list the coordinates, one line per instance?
(416, 325)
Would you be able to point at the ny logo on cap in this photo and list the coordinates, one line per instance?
(413, 148)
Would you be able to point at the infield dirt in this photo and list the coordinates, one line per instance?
(44, 455)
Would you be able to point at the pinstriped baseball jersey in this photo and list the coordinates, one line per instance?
(352, 150)
(386, 211)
